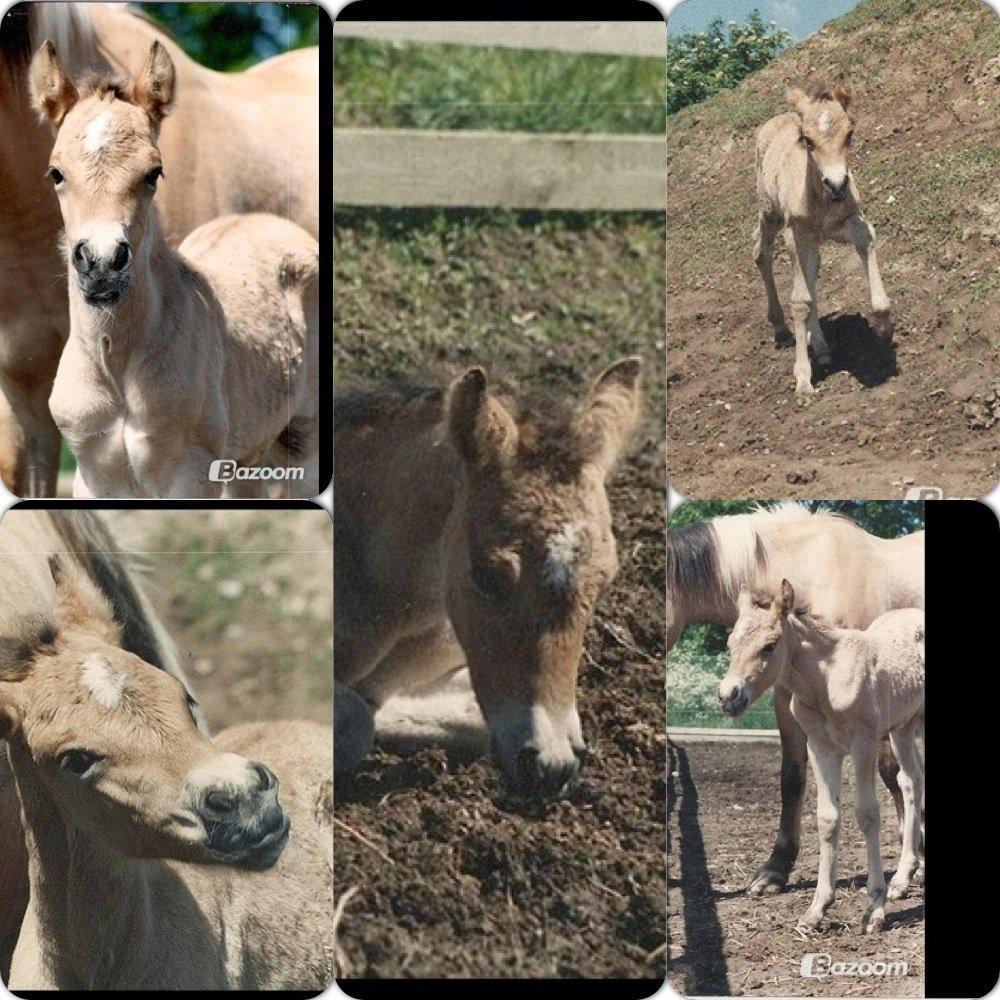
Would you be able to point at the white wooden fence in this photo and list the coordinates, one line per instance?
(415, 167)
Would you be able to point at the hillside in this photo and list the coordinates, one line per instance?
(926, 78)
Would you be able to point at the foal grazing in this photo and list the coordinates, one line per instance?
(471, 530)
(175, 359)
(805, 186)
(120, 793)
(849, 688)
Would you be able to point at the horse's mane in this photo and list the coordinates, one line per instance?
(549, 436)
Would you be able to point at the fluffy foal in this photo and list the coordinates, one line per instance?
(806, 188)
(849, 688)
(176, 358)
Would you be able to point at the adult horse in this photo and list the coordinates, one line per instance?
(236, 142)
(27, 595)
(845, 574)
(471, 528)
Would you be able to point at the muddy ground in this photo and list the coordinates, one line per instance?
(925, 411)
(451, 879)
(723, 806)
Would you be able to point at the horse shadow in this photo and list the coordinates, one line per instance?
(855, 347)
(857, 350)
(704, 960)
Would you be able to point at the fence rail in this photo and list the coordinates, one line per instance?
(408, 167)
(628, 38)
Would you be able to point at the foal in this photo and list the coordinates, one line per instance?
(157, 859)
(805, 187)
(475, 530)
(176, 359)
(849, 688)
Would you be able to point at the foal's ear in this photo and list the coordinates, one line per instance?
(612, 411)
(80, 605)
(52, 92)
(156, 83)
(842, 93)
(797, 98)
(480, 428)
(787, 598)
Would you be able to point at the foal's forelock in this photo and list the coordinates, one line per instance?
(562, 551)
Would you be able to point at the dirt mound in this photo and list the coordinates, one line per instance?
(927, 152)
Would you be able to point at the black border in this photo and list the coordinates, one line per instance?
(497, 10)
(618, 989)
(325, 373)
(963, 556)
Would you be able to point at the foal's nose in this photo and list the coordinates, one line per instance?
(836, 190)
(90, 263)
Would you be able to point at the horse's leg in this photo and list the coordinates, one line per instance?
(29, 438)
(773, 875)
(13, 871)
(414, 662)
(799, 248)
(763, 257)
(820, 348)
(864, 752)
(911, 780)
(888, 768)
(827, 763)
(859, 231)
(353, 729)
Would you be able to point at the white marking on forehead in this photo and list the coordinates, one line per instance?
(103, 683)
(561, 551)
(96, 135)
(825, 122)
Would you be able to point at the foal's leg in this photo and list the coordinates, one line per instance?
(858, 230)
(864, 752)
(763, 257)
(773, 875)
(827, 764)
(911, 781)
(800, 246)
(353, 729)
(888, 768)
(820, 348)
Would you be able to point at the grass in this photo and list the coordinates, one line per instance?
(390, 85)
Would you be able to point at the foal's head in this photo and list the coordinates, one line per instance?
(529, 548)
(826, 131)
(757, 652)
(110, 742)
(105, 164)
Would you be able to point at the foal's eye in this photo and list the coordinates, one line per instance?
(808, 143)
(769, 648)
(56, 174)
(488, 583)
(153, 176)
(78, 762)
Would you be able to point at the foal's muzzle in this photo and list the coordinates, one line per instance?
(103, 274)
(836, 192)
(733, 698)
(244, 824)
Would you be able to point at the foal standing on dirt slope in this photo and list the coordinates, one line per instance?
(805, 186)
(175, 359)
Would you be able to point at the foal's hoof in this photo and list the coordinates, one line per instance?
(899, 891)
(882, 325)
(873, 921)
(767, 883)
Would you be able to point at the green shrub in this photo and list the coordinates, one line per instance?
(702, 64)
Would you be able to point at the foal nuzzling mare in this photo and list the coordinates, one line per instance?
(176, 358)
(157, 859)
(473, 529)
(850, 688)
(805, 187)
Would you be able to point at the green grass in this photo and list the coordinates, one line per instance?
(388, 85)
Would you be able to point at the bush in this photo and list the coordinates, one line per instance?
(702, 64)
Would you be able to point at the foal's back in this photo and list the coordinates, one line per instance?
(897, 642)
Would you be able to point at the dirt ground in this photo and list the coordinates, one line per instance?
(927, 410)
(454, 881)
(723, 803)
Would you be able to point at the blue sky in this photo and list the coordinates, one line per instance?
(800, 17)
